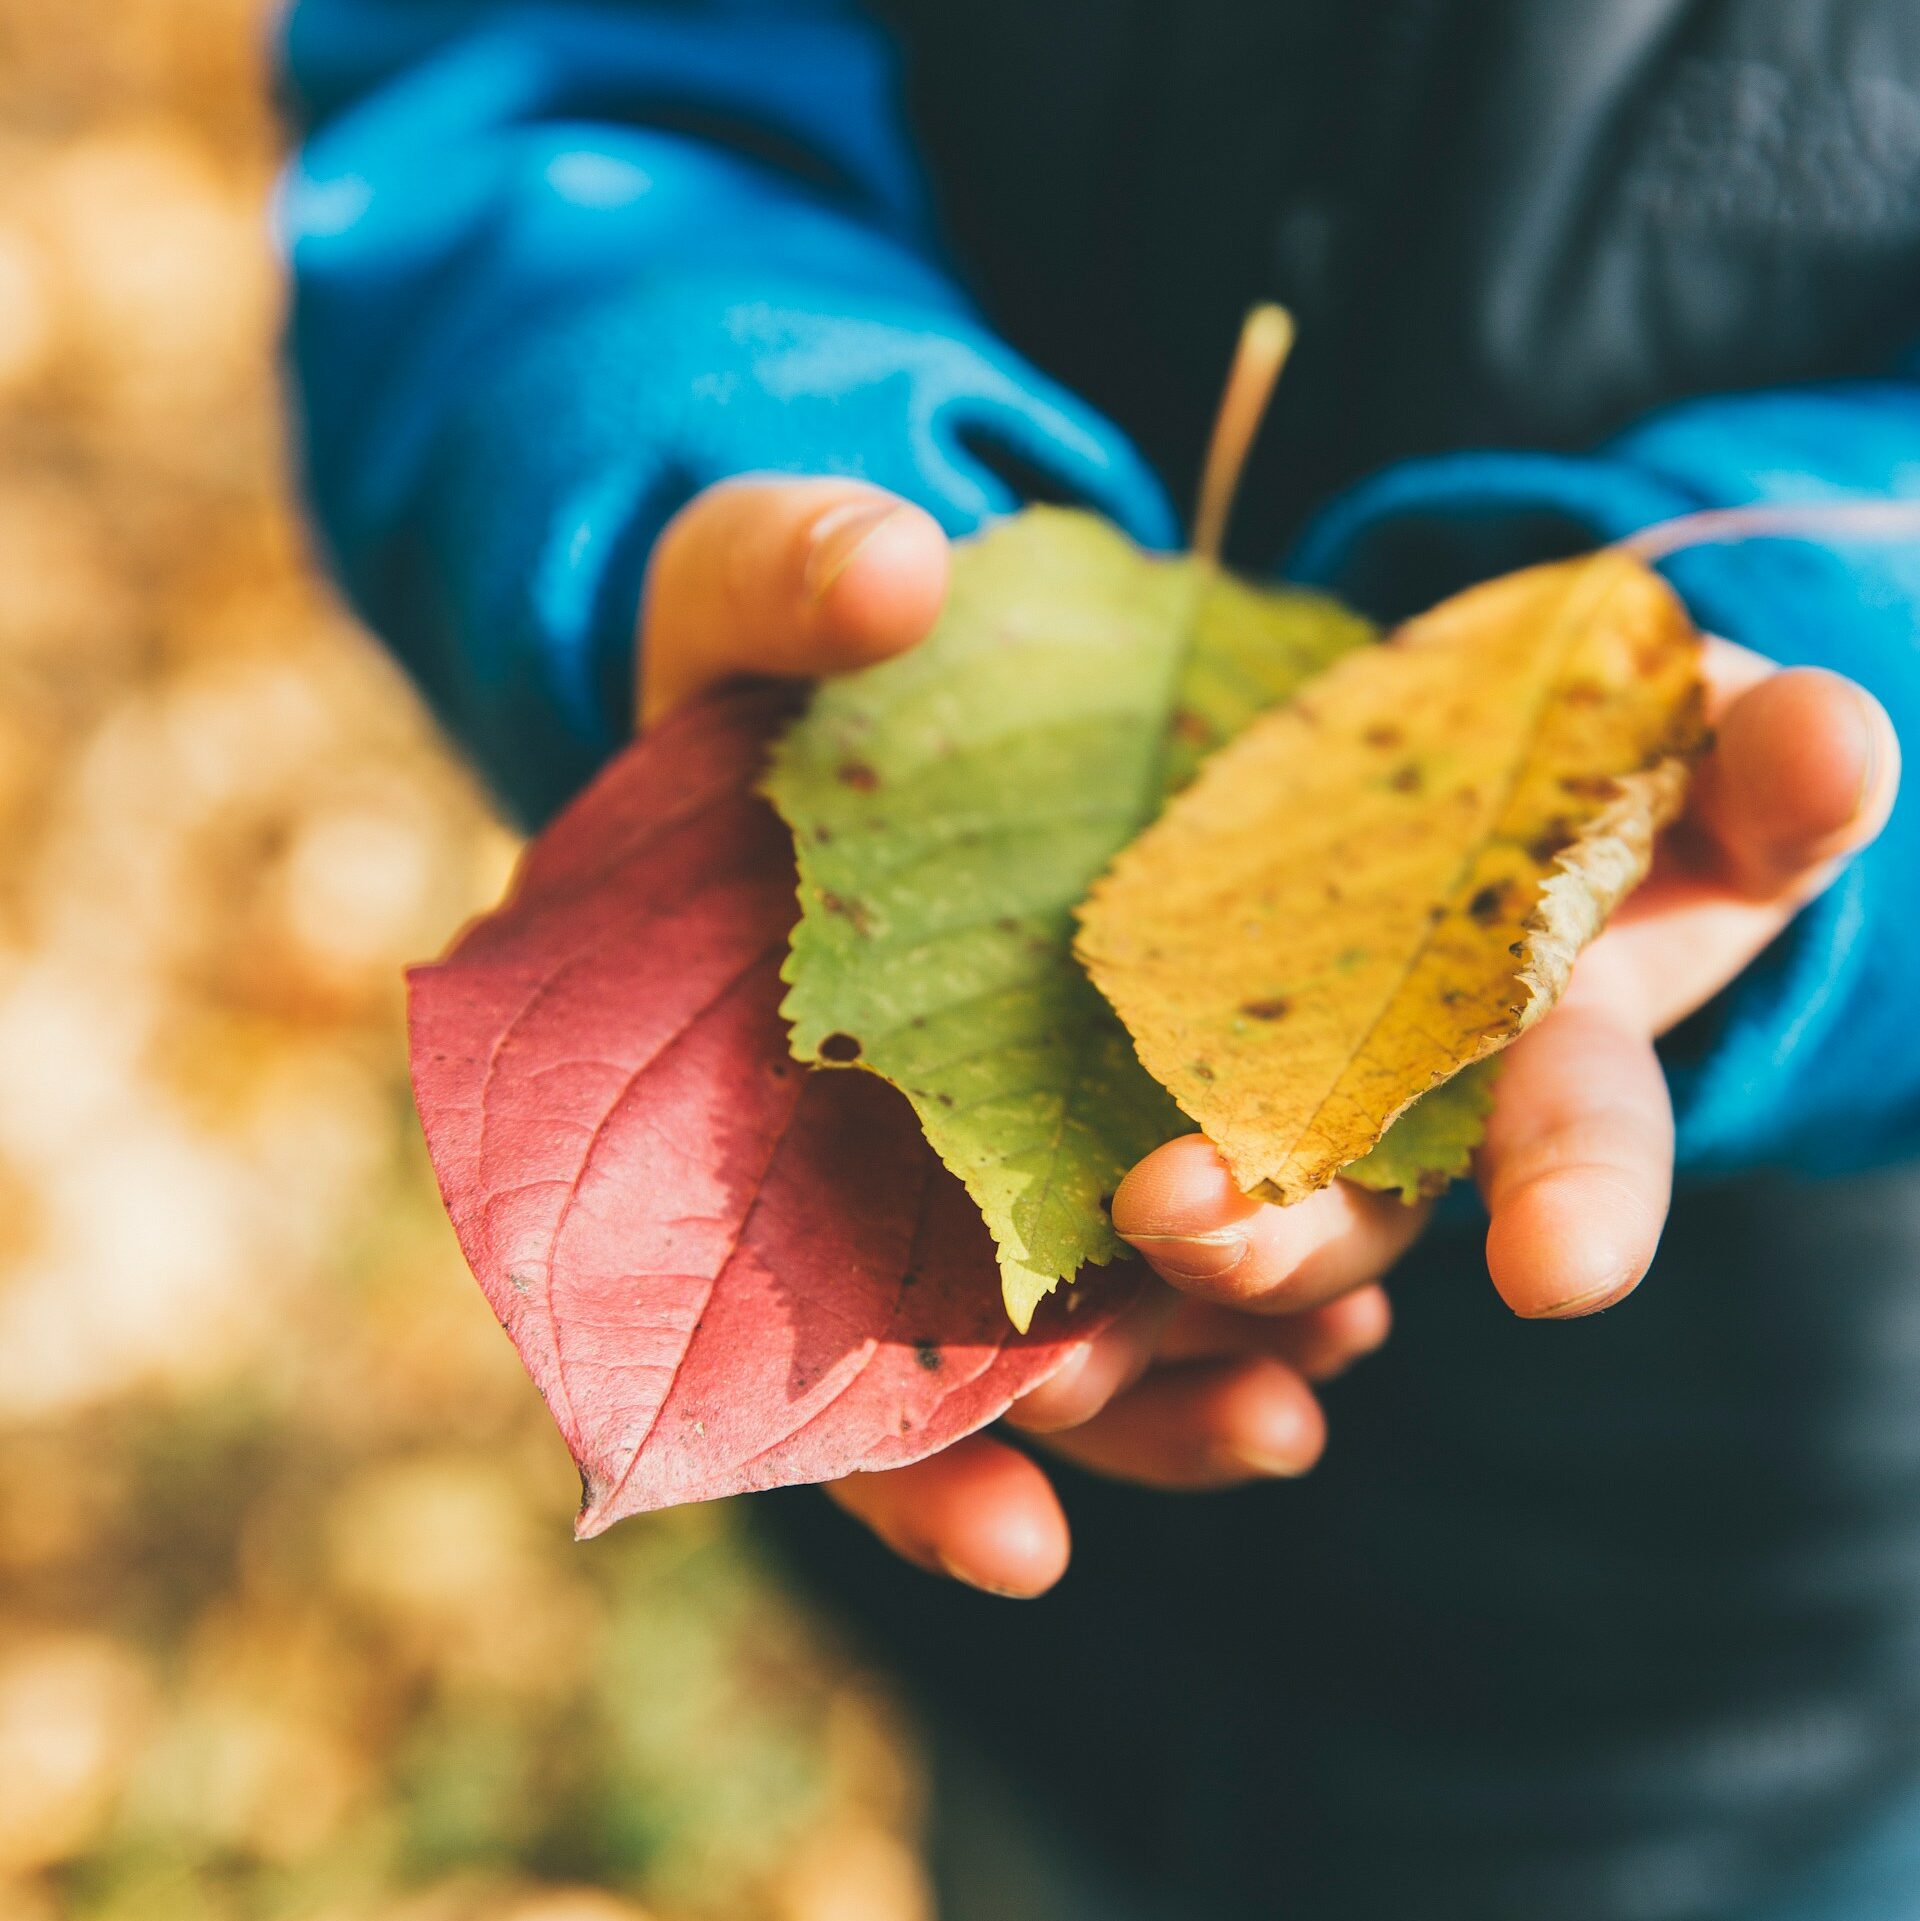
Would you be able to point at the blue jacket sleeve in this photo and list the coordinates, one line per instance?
(1812, 1059)
(558, 265)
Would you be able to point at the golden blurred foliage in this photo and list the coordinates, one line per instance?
(290, 1620)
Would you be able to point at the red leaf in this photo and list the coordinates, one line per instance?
(722, 1271)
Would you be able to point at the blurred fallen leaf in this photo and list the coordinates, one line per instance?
(72, 1710)
(238, 1352)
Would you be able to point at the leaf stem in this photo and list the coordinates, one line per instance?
(1778, 520)
(1266, 339)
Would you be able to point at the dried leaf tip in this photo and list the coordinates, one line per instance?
(1590, 877)
(1266, 339)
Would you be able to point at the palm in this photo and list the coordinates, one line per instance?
(1207, 1381)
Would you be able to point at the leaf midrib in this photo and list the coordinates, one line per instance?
(1530, 735)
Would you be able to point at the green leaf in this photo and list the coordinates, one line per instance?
(950, 809)
(1432, 1143)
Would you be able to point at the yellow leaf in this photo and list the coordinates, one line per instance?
(1389, 877)
(1431, 1145)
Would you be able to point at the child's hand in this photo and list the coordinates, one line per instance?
(1578, 1162)
(815, 577)
(785, 577)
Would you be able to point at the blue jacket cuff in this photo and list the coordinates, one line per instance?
(515, 585)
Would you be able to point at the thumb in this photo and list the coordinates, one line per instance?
(785, 577)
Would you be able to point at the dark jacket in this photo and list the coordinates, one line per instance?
(1510, 223)
(1608, 1622)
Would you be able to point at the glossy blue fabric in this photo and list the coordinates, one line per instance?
(560, 264)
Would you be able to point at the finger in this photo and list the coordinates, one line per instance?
(1181, 1209)
(1728, 670)
(1107, 1365)
(785, 577)
(1318, 1345)
(980, 1511)
(1803, 770)
(1577, 1166)
(1204, 1424)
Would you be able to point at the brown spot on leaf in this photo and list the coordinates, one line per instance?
(928, 1356)
(1408, 779)
(1383, 734)
(1489, 904)
(1189, 727)
(1583, 693)
(1589, 786)
(1551, 841)
(840, 1049)
(1202, 1070)
(1274, 1009)
(851, 911)
(857, 775)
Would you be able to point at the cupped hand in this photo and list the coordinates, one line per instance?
(1207, 1380)
(811, 577)
(1577, 1166)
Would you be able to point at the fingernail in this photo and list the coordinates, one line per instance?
(1271, 1467)
(1055, 1390)
(1193, 1257)
(838, 536)
(1868, 710)
(966, 1579)
(1282, 1454)
(1578, 1304)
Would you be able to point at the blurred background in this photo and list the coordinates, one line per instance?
(291, 1622)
